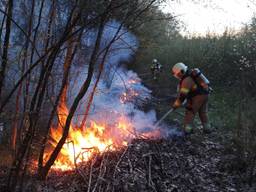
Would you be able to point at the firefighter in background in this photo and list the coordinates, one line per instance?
(193, 92)
(156, 68)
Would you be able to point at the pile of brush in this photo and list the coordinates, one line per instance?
(194, 163)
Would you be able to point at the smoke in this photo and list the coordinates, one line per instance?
(120, 92)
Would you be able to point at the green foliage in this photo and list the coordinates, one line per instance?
(222, 58)
(228, 60)
(223, 109)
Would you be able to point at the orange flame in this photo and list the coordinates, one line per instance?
(83, 144)
(129, 95)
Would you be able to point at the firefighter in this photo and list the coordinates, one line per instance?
(193, 92)
(156, 68)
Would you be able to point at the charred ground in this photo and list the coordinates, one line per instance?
(194, 163)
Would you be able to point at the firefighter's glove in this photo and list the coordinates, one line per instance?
(174, 108)
(176, 105)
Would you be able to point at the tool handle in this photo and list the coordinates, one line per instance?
(165, 115)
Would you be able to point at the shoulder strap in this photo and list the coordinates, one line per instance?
(187, 74)
(194, 73)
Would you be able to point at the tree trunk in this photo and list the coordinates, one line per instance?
(35, 107)
(1, 29)
(106, 51)
(44, 171)
(67, 65)
(6, 46)
(24, 62)
(15, 121)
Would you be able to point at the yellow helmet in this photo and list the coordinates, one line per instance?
(179, 67)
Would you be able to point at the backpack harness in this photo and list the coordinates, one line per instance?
(199, 90)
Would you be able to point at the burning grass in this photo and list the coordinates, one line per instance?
(110, 131)
(83, 144)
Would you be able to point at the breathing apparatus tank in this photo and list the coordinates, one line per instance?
(200, 79)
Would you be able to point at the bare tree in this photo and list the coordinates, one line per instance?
(62, 95)
(36, 104)
(44, 171)
(81, 15)
(101, 67)
(6, 46)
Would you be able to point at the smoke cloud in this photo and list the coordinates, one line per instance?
(120, 92)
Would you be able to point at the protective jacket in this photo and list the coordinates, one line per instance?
(192, 83)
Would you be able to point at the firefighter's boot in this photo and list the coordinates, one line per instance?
(206, 128)
(188, 129)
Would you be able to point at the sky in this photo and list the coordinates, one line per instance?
(202, 16)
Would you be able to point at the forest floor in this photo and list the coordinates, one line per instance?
(199, 163)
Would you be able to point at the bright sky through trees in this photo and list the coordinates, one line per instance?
(202, 16)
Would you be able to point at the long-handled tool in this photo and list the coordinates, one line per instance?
(162, 118)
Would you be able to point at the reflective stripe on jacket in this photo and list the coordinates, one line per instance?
(187, 89)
